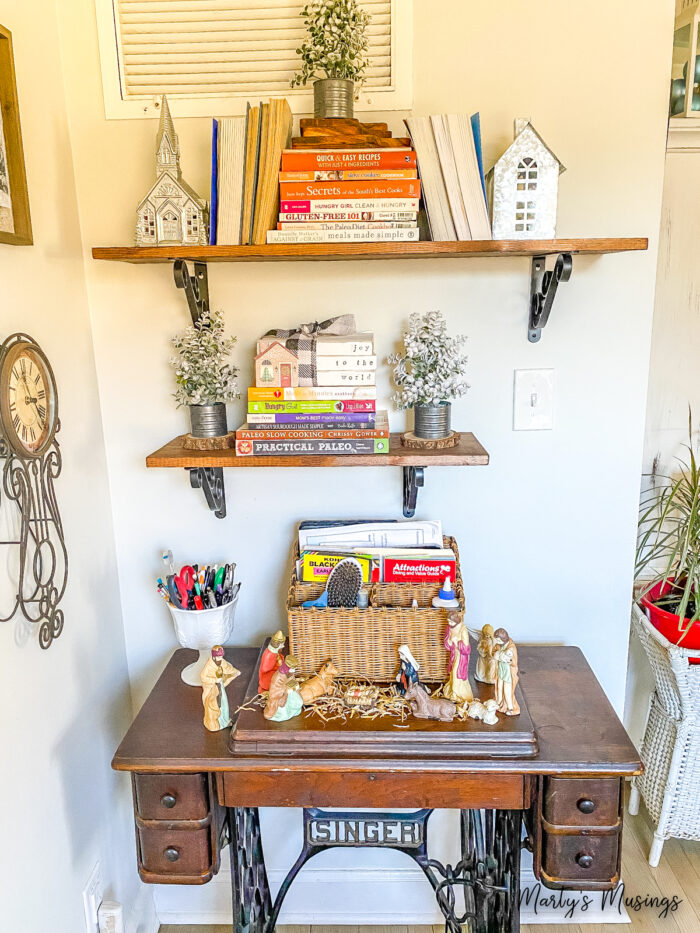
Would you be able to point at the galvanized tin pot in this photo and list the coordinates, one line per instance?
(432, 422)
(333, 97)
(208, 420)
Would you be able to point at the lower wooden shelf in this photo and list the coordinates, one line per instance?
(206, 466)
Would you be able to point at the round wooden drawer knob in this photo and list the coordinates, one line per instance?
(168, 800)
(172, 854)
(585, 805)
(585, 861)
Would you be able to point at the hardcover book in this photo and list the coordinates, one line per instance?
(312, 406)
(331, 448)
(345, 216)
(355, 175)
(343, 190)
(316, 205)
(262, 432)
(335, 420)
(312, 393)
(367, 235)
(298, 160)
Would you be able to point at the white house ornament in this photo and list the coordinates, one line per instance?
(524, 185)
(172, 213)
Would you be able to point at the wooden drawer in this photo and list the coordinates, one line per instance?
(380, 789)
(581, 860)
(173, 852)
(582, 801)
(171, 796)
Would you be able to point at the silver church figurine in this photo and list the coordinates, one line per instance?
(524, 188)
(171, 213)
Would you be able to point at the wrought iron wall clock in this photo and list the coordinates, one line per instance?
(32, 462)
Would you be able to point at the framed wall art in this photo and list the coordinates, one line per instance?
(15, 221)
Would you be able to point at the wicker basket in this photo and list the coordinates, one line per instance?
(364, 642)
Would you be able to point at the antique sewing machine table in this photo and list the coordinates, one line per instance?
(192, 796)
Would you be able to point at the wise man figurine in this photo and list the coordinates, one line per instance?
(270, 661)
(408, 670)
(216, 675)
(486, 663)
(457, 646)
(506, 657)
(284, 700)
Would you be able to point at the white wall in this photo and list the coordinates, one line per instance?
(62, 711)
(546, 532)
(674, 385)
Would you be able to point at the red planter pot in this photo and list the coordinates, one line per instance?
(668, 623)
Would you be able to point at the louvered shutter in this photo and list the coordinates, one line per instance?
(224, 48)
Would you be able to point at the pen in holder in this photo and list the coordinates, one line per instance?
(202, 630)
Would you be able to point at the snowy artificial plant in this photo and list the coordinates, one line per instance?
(431, 368)
(336, 46)
(203, 370)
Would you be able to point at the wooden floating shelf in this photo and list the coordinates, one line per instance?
(468, 452)
(319, 252)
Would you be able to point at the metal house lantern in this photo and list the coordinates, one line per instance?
(685, 73)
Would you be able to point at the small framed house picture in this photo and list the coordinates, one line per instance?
(525, 188)
(15, 220)
(277, 366)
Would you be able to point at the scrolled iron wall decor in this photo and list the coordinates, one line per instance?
(32, 462)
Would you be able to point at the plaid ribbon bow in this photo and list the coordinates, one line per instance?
(303, 340)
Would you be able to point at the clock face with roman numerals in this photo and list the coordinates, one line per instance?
(28, 406)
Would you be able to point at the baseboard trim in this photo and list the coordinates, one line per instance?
(142, 918)
(336, 897)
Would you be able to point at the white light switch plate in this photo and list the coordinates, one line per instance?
(533, 400)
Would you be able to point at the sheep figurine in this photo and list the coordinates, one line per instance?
(486, 712)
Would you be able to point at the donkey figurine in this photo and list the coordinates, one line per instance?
(423, 706)
(320, 684)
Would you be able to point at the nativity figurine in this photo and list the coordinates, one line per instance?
(270, 661)
(320, 684)
(216, 675)
(408, 670)
(424, 706)
(457, 645)
(506, 657)
(486, 663)
(284, 700)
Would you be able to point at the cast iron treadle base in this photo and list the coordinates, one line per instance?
(480, 894)
(251, 894)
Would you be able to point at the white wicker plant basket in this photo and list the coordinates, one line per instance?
(670, 784)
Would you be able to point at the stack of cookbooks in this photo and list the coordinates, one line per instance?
(346, 181)
(314, 395)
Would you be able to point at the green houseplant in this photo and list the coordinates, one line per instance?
(668, 552)
(205, 376)
(334, 54)
(429, 373)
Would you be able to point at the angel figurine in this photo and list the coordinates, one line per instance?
(284, 700)
(486, 663)
(506, 657)
(457, 645)
(216, 675)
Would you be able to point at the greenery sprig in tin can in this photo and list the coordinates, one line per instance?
(206, 378)
(429, 374)
(335, 54)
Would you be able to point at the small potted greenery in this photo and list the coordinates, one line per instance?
(335, 54)
(206, 379)
(429, 374)
(668, 553)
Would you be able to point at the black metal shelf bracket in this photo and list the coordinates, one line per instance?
(211, 481)
(543, 289)
(196, 286)
(413, 477)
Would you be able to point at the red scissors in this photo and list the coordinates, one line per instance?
(184, 581)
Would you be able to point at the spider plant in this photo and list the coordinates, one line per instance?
(669, 539)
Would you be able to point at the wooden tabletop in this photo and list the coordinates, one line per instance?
(577, 728)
